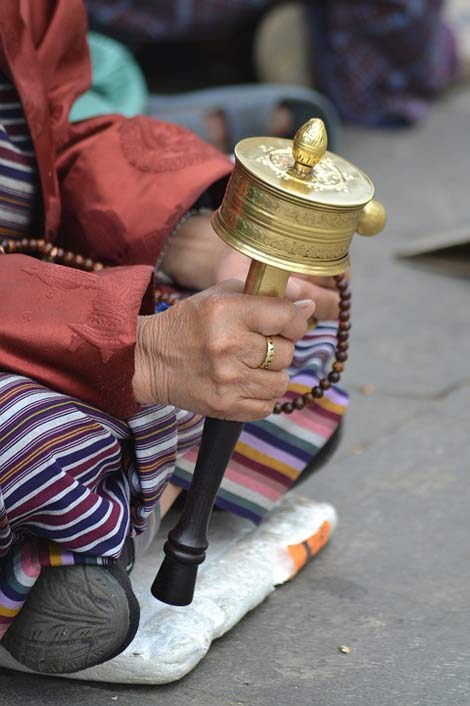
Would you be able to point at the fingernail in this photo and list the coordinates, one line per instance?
(306, 305)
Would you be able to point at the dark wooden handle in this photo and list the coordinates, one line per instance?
(187, 542)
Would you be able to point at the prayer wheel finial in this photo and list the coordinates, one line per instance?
(310, 145)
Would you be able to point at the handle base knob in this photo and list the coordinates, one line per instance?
(175, 582)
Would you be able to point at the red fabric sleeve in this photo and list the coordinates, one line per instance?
(73, 331)
(124, 185)
(126, 182)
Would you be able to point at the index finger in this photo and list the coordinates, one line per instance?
(277, 316)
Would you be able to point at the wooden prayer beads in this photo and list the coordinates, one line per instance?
(49, 252)
(341, 355)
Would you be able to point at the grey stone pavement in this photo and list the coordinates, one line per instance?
(394, 583)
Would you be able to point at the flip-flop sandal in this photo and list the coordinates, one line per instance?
(247, 109)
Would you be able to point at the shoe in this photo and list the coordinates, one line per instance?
(75, 617)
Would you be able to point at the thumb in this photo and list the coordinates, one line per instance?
(306, 306)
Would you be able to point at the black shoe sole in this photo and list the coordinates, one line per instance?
(75, 617)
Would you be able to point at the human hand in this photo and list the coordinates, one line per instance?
(204, 353)
(197, 259)
(322, 290)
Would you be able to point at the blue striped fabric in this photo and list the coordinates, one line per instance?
(74, 475)
(18, 171)
(75, 482)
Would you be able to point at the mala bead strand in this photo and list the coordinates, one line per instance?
(49, 252)
(341, 354)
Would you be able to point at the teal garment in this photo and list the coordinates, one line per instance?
(118, 84)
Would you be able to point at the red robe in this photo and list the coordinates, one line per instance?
(112, 189)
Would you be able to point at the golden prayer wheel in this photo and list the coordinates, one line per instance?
(291, 207)
(294, 206)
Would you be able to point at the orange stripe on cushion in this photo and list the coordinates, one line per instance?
(303, 552)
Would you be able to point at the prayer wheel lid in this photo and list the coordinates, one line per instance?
(303, 168)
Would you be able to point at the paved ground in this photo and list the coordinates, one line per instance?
(394, 584)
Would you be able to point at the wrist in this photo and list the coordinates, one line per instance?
(149, 382)
(194, 254)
